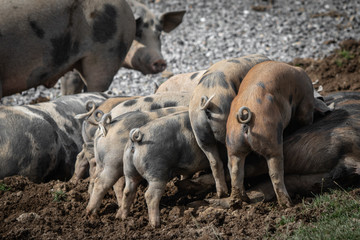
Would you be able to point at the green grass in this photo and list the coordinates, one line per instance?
(339, 218)
(4, 187)
(344, 57)
(59, 196)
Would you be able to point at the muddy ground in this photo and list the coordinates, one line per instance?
(42, 211)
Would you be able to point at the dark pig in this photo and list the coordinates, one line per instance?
(41, 141)
(158, 151)
(41, 40)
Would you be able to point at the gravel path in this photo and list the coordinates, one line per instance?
(216, 29)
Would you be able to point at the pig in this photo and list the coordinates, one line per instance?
(210, 105)
(144, 103)
(271, 96)
(41, 40)
(157, 152)
(185, 82)
(144, 54)
(41, 141)
(317, 157)
(89, 126)
(109, 143)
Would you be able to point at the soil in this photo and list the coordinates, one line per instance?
(56, 210)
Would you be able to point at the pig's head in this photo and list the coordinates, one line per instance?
(145, 52)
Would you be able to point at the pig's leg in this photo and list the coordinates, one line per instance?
(93, 172)
(131, 184)
(152, 197)
(236, 166)
(81, 165)
(276, 173)
(217, 169)
(118, 189)
(102, 184)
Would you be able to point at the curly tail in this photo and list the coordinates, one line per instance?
(244, 115)
(90, 107)
(135, 135)
(104, 122)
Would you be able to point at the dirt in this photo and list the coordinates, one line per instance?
(56, 210)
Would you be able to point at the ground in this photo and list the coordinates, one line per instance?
(56, 210)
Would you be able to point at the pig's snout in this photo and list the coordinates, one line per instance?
(158, 65)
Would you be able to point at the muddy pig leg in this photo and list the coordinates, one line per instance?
(131, 184)
(103, 182)
(118, 189)
(152, 197)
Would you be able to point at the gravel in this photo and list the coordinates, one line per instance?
(213, 30)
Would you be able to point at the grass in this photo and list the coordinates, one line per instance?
(344, 56)
(335, 215)
(4, 187)
(59, 196)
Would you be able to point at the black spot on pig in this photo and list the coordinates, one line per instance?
(226, 103)
(214, 79)
(158, 28)
(270, 98)
(233, 61)
(129, 103)
(261, 84)
(146, 25)
(37, 30)
(62, 49)
(204, 134)
(124, 140)
(170, 104)
(148, 99)
(194, 76)
(138, 119)
(258, 100)
(104, 27)
(155, 106)
(69, 129)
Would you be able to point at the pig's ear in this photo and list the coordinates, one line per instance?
(205, 101)
(321, 106)
(171, 20)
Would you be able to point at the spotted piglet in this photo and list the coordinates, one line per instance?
(157, 152)
(109, 143)
(271, 96)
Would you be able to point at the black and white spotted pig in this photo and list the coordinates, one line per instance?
(41, 40)
(144, 103)
(316, 157)
(158, 151)
(109, 143)
(184, 82)
(41, 141)
(144, 54)
(89, 126)
(271, 96)
(210, 105)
